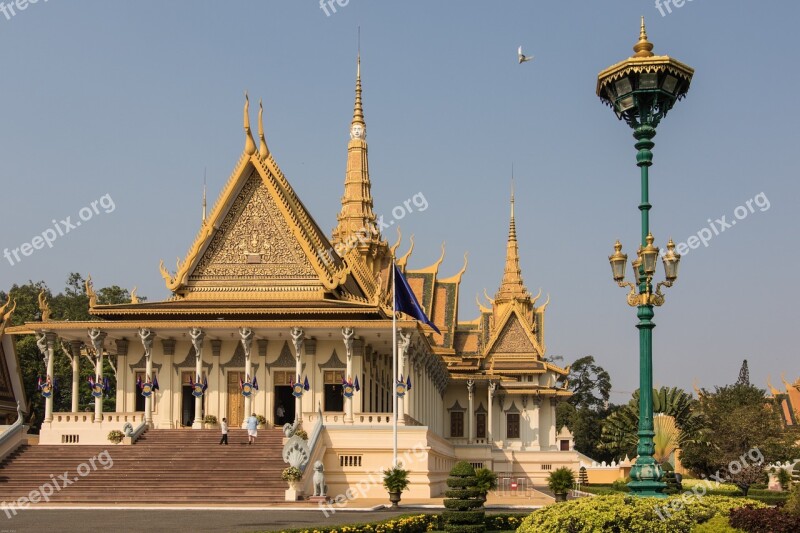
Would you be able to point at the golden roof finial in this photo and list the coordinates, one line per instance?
(249, 143)
(358, 110)
(512, 286)
(263, 151)
(643, 48)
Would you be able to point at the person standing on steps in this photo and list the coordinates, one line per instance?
(252, 428)
(224, 427)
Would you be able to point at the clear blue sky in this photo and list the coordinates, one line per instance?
(135, 99)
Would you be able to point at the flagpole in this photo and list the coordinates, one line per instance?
(394, 362)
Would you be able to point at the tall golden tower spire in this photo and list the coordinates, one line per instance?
(356, 226)
(643, 48)
(512, 286)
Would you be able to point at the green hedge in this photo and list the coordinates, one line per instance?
(462, 505)
(419, 524)
(629, 513)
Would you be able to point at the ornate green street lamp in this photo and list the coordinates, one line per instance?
(641, 90)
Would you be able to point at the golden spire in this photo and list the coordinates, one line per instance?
(358, 110)
(512, 286)
(263, 151)
(204, 196)
(249, 143)
(643, 48)
(356, 216)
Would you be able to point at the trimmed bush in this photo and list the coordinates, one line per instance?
(464, 501)
(628, 513)
(718, 524)
(793, 503)
(770, 520)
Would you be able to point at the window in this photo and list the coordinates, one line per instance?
(512, 425)
(564, 445)
(457, 424)
(480, 425)
(283, 377)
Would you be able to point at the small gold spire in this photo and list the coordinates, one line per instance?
(204, 196)
(249, 143)
(263, 151)
(643, 48)
(358, 110)
(512, 286)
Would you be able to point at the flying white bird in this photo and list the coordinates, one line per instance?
(522, 57)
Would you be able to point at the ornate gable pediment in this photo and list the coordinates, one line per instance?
(513, 339)
(253, 242)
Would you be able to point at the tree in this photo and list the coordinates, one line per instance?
(675, 424)
(741, 422)
(744, 374)
(587, 407)
(590, 384)
(72, 304)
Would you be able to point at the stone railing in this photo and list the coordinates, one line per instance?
(12, 437)
(80, 428)
(334, 418)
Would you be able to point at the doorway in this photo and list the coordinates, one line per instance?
(235, 412)
(187, 400)
(334, 398)
(283, 398)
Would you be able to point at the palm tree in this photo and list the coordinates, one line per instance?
(676, 424)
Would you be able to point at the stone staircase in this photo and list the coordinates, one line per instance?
(165, 466)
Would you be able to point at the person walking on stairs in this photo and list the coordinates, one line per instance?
(224, 427)
(252, 429)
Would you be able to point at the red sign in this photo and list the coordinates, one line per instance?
(513, 486)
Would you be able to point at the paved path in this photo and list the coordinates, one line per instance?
(154, 519)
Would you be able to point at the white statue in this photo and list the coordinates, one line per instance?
(320, 488)
(197, 336)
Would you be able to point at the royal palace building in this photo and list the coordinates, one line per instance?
(271, 315)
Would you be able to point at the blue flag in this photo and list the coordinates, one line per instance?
(305, 384)
(357, 387)
(155, 382)
(255, 383)
(408, 383)
(406, 302)
(205, 383)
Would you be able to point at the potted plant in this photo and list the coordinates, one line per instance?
(210, 420)
(560, 481)
(486, 481)
(262, 421)
(292, 475)
(302, 434)
(116, 436)
(395, 481)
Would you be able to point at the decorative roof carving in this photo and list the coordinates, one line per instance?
(189, 361)
(513, 338)
(253, 241)
(333, 362)
(238, 360)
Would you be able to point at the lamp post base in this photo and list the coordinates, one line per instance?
(645, 479)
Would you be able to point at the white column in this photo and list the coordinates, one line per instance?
(97, 338)
(147, 336)
(542, 424)
(75, 359)
(298, 337)
(348, 334)
(47, 347)
(471, 410)
(197, 336)
(489, 428)
(404, 341)
(247, 345)
(552, 427)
